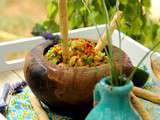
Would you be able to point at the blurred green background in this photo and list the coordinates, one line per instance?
(18, 17)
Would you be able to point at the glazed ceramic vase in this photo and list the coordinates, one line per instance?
(113, 103)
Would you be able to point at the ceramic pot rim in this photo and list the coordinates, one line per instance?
(116, 89)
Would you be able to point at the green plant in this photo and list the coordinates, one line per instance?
(118, 79)
(135, 22)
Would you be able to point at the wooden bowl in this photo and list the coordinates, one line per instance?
(65, 88)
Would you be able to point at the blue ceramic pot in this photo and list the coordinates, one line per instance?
(113, 102)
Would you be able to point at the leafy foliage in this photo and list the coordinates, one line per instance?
(134, 23)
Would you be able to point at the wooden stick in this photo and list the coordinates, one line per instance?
(113, 25)
(147, 95)
(63, 17)
(42, 115)
(139, 107)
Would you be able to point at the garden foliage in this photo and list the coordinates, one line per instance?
(135, 22)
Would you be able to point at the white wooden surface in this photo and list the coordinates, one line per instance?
(135, 50)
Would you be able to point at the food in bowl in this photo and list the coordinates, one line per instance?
(81, 53)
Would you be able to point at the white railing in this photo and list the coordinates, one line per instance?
(135, 50)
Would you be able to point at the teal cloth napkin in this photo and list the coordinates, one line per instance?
(20, 107)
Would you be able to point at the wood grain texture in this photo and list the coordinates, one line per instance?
(20, 73)
(8, 76)
(113, 25)
(147, 95)
(139, 107)
(65, 88)
(42, 115)
(63, 18)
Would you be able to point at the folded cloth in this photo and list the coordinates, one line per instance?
(25, 106)
(20, 107)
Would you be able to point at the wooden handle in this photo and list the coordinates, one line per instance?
(63, 17)
(113, 25)
(139, 107)
(147, 95)
(42, 115)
